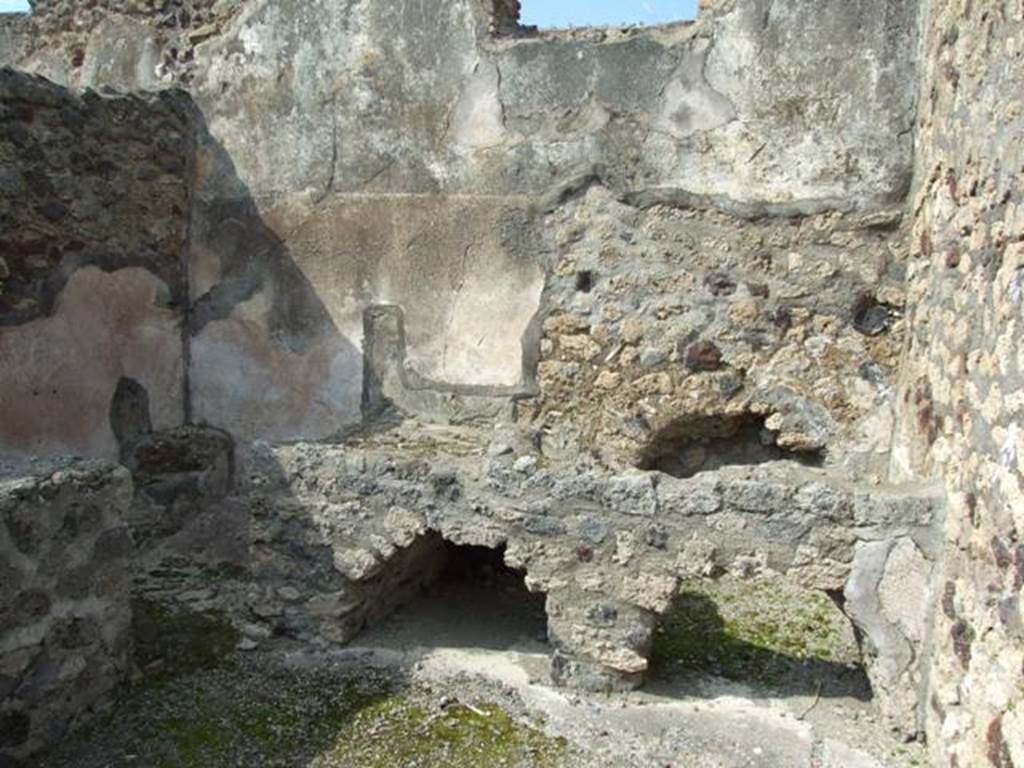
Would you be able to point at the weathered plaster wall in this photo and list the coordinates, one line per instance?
(740, 78)
(289, 331)
(64, 598)
(446, 145)
(94, 201)
(962, 392)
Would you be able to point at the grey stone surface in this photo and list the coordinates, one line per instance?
(888, 597)
(352, 530)
(65, 576)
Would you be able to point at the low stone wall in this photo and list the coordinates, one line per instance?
(315, 542)
(607, 549)
(318, 541)
(65, 555)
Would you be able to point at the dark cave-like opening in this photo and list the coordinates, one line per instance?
(462, 596)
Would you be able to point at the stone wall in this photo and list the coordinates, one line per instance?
(698, 332)
(962, 408)
(360, 154)
(94, 201)
(317, 541)
(65, 575)
(606, 549)
(14, 35)
(678, 249)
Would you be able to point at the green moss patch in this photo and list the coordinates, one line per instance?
(170, 643)
(756, 630)
(259, 714)
(398, 732)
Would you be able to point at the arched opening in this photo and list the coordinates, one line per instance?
(775, 637)
(463, 597)
(693, 444)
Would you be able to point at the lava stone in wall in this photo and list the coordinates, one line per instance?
(64, 604)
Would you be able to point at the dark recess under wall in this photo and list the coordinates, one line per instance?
(701, 444)
(468, 597)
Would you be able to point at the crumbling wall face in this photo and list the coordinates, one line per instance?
(64, 599)
(128, 44)
(94, 200)
(664, 325)
(961, 398)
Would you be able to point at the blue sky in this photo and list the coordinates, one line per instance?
(594, 13)
(562, 13)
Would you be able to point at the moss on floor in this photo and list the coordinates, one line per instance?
(170, 643)
(398, 732)
(256, 713)
(756, 630)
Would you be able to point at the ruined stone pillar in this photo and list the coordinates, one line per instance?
(600, 644)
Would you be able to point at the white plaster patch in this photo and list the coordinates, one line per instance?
(903, 591)
(477, 122)
(1008, 452)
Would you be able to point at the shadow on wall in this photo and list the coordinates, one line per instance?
(270, 359)
(160, 288)
(265, 357)
(92, 288)
(223, 309)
